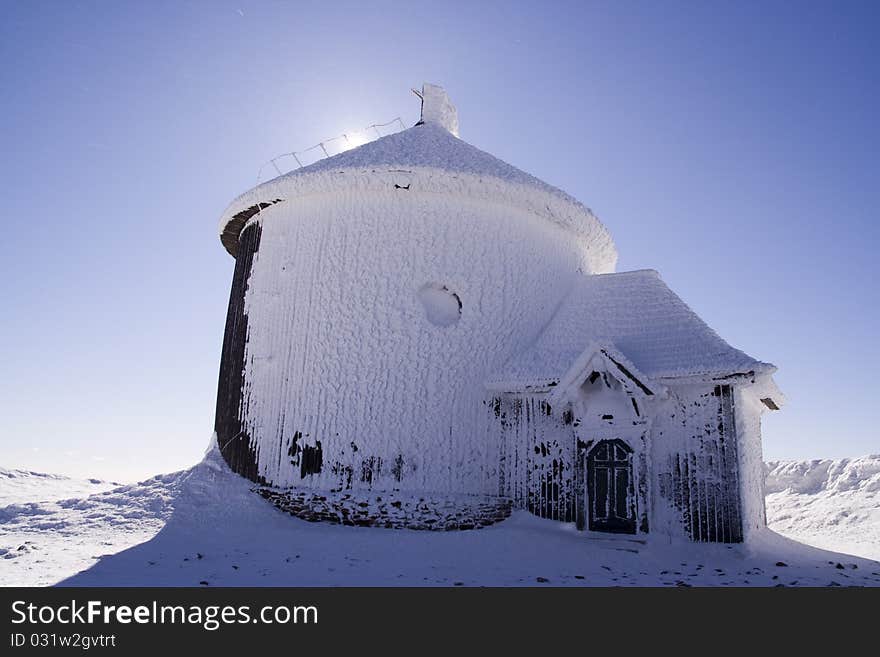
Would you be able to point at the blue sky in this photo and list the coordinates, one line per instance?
(731, 146)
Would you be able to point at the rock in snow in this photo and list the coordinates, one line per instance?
(205, 525)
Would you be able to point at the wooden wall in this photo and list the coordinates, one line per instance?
(232, 437)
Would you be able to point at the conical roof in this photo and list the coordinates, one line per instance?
(436, 160)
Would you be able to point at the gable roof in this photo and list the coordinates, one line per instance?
(639, 316)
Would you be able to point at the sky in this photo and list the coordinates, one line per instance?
(732, 146)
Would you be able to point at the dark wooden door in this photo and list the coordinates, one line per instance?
(610, 490)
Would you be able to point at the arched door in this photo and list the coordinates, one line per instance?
(610, 490)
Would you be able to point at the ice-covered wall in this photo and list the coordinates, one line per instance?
(373, 319)
(544, 446)
(693, 456)
(748, 410)
(695, 453)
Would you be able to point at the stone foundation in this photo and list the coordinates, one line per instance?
(390, 510)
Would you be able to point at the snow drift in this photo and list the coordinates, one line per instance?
(833, 504)
(17, 486)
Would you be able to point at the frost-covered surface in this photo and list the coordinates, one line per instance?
(204, 526)
(428, 158)
(834, 504)
(437, 108)
(344, 347)
(747, 413)
(21, 486)
(639, 315)
(378, 291)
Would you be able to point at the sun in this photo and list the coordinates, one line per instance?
(353, 140)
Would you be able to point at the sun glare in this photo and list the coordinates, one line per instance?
(353, 140)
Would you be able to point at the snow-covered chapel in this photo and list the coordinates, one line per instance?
(421, 335)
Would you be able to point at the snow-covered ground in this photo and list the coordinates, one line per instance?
(18, 486)
(204, 526)
(830, 504)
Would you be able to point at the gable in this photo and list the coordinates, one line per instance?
(601, 389)
(607, 362)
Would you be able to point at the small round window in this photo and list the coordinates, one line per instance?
(442, 305)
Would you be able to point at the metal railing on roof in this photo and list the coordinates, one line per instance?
(348, 140)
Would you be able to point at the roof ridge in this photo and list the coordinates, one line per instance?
(630, 272)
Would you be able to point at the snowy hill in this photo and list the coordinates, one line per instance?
(203, 526)
(18, 486)
(830, 504)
